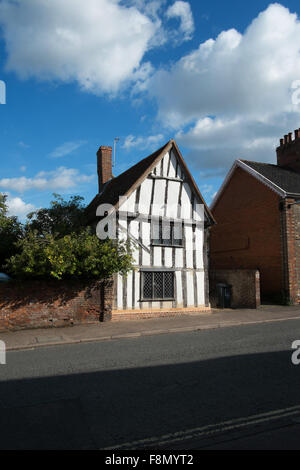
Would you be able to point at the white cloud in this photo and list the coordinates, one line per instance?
(142, 142)
(23, 145)
(208, 192)
(60, 179)
(216, 142)
(99, 44)
(234, 92)
(153, 9)
(66, 149)
(206, 189)
(235, 73)
(182, 10)
(16, 206)
(23, 168)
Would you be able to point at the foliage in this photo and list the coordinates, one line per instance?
(11, 231)
(60, 219)
(75, 255)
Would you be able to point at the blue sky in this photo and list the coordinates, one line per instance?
(219, 77)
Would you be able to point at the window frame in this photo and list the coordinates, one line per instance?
(153, 272)
(169, 242)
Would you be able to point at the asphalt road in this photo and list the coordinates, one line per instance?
(224, 388)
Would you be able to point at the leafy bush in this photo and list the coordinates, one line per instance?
(11, 231)
(73, 256)
(60, 219)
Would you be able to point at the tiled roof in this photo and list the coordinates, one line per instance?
(286, 179)
(125, 183)
(120, 185)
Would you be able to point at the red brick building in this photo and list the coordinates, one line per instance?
(257, 210)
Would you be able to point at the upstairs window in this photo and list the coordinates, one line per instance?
(166, 233)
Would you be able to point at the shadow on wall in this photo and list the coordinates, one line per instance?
(108, 408)
(244, 287)
(37, 303)
(16, 294)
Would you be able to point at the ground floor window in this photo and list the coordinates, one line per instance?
(157, 285)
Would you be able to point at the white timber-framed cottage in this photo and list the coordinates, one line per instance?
(160, 208)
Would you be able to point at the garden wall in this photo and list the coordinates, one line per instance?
(40, 304)
(245, 286)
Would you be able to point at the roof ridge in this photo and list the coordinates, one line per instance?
(281, 168)
(145, 158)
(125, 183)
(259, 163)
(127, 178)
(131, 168)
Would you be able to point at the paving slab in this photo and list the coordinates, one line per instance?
(47, 339)
(24, 339)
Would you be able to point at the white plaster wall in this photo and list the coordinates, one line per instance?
(172, 171)
(145, 196)
(190, 289)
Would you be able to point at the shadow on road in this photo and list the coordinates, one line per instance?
(108, 408)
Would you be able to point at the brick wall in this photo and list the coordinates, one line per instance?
(34, 304)
(118, 315)
(245, 289)
(248, 232)
(296, 209)
(290, 218)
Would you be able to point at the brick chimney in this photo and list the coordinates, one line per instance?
(288, 153)
(104, 166)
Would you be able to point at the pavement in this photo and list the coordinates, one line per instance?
(36, 338)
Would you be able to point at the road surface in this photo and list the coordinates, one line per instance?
(226, 388)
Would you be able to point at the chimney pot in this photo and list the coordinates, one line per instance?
(288, 152)
(104, 166)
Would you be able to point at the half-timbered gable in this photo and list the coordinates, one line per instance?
(160, 208)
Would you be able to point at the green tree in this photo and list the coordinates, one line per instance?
(76, 255)
(61, 218)
(11, 231)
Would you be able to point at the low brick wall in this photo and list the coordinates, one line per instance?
(39, 304)
(245, 286)
(121, 315)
